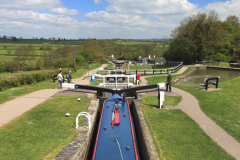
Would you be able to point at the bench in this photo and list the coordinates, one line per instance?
(55, 78)
(207, 82)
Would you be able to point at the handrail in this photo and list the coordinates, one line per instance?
(85, 75)
(86, 115)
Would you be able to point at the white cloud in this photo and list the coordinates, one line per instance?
(130, 20)
(64, 11)
(97, 1)
(225, 8)
(112, 17)
(30, 4)
(35, 17)
(150, 6)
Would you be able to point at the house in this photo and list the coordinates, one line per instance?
(150, 60)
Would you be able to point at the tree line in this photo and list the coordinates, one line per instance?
(203, 36)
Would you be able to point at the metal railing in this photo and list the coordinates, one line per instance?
(86, 74)
(156, 71)
(86, 115)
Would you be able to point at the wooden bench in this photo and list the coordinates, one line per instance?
(207, 82)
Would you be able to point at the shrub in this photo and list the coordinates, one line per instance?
(16, 81)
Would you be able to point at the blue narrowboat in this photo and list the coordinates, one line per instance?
(116, 138)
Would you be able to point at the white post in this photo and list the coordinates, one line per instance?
(161, 98)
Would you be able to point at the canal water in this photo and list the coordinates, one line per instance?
(198, 76)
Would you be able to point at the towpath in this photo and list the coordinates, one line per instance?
(190, 106)
(16, 107)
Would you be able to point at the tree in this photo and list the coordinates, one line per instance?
(233, 20)
(2, 67)
(197, 37)
(39, 63)
(24, 53)
(9, 51)
(5, 45)
(148, 48)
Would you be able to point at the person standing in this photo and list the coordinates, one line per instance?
(169, 81)
(69, 77)
(60, 79)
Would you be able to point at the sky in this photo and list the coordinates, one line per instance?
(103, 19)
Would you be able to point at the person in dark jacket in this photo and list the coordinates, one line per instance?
(169, 81)
(69, 77)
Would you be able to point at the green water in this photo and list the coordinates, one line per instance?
(198, 76)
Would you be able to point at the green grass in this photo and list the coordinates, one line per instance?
(161, 79)
(163, 66)
(6, 58)
(80, 71)
(109, 66)
(133, 42)
(7, 94)
(126, 66)
(176, 135)
(222, 106)
(42, 131)
(140, 67)
(4, 75)
(95, 82)
(38, 41)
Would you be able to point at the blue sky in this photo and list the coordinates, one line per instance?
(103, 19)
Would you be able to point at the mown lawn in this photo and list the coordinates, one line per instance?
(163, 78)
(42, 131)
(176, 135)
(163, 66)
(109, 66)
(140, 67)
(222, 106)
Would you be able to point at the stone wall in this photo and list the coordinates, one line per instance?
(141, 127)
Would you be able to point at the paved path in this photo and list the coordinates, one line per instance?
(190, 106)
(16, 107)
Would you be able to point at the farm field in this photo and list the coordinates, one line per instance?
(6, 58)
(40, 41)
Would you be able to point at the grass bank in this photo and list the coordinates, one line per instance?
(163, 78)
(163, 66)
(4, 75)
(79, 72)
(176, 135)
(140, 67)
(222, 106)
(42, 131)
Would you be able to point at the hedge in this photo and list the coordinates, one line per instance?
(24, 79)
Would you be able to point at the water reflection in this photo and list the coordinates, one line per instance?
(198, 76)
